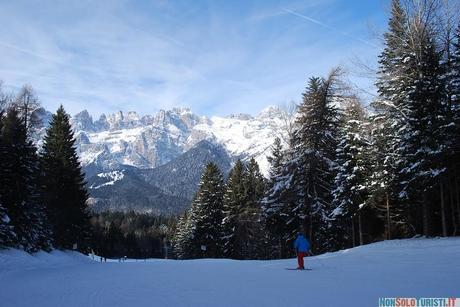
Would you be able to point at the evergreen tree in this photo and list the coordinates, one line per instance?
(234, 200)
(183, 237)
(280, 198)
(422, 136)
(450, 180)
(315, 146)
(383, 177)
(251, 215)
(7, 235)
(275, 159)
(19, 186)
(207, 213)
(352, 163)
(388, 120)
(63, 185)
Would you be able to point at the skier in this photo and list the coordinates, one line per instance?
(302, 248)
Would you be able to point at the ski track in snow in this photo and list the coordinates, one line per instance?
(354, 277)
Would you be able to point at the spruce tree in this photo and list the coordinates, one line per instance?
(7, 235)
(63, 185)
(279, 200)
(183, 237)
(387, 122)
(352, 163)
(19, 187)
(275, 159)
(422, 136)
(251, 214)
(316, 144)
(234, 200)
(206, 214)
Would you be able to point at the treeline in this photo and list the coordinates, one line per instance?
(135, 235)
(350, 175)
(42, 192)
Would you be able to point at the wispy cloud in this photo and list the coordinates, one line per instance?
(330, 28)
(144, 55)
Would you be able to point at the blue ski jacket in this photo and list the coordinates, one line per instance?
(301, 244)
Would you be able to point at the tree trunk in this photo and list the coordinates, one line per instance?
(457, 193)
(452, 207)
(388, 217)
(280, 253)
(360, 229)
(425, 216)
(443, 209)
(353, 231)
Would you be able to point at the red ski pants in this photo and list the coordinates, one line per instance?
(300, 256)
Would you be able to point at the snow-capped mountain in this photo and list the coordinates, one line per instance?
(150, 141)
(153, 163)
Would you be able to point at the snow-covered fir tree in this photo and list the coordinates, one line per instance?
(63, 185)
(387, 121)
(204, 221)
(234, 200)
(242, 224)
(422, 136)
(275, 159)
(315, 147)
(251, 215)
(350, 192)
(280, 199)
(271, 218)
(7, 235)
(183, 237)
(19, 187)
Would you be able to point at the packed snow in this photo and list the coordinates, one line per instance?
(354, 277)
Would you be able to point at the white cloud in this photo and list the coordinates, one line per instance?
(143, 56)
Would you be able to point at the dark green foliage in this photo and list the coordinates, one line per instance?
(63, 185)
(351, 182)
(279, 199)
(201, 227)
(234, 199)
(19, 193)
(131, 234)
(7, 235)
(315, 147)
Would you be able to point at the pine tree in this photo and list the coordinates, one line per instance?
(451, 178)
(275, 159)
(7, 235)
(279, 199)
(251, 215)
(63, 185)
(388, 120)
(183, 237)
(352, 163)
(234, 200)
(422, 136)
(19, 188)
(317, 140)
(206, 214)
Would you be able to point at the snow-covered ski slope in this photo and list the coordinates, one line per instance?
(354, 277)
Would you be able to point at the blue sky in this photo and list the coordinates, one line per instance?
(216, 57)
